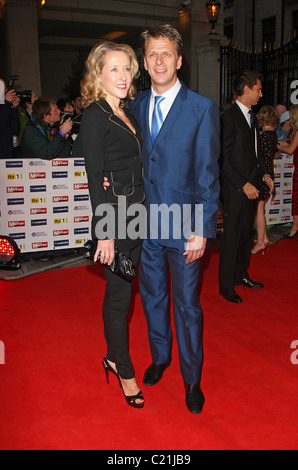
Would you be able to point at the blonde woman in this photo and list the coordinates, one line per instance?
(291, 147)
(111, 142)
(268, 121)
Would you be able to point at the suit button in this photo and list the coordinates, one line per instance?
(153, 159)
(151, 182)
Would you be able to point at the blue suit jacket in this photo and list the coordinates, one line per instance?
(182, 165)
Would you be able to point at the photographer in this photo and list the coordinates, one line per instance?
(25, 111)
(9, 121)
(42, 138)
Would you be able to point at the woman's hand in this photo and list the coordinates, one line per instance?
(105, 183)
(106, 249)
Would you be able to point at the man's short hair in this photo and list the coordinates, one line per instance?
(41, 107)
(165, 31)
(246, 78)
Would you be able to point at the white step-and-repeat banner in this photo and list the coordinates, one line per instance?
(44, 205)
(279, 207)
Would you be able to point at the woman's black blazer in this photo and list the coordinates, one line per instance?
(111, 149)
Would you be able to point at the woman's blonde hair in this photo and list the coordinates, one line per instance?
(91, 88)
(294, 116)
(268, 116)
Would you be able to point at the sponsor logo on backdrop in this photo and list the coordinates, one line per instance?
(81, 231)
(39, 234)
(60, 187)
(79, 163)
(14, 164)
(81, 197)
(80, 186)
(61, 243)
(57, 199)
(37, 163)
(39, 211)
(39, 245)
(17, 212)
(59, 233)
(60, 210)
(17, 236)
(56, 163)
(36, 223)
(14, 189)
(16, 223)
(38, 189)
(16, 202)
(79, 220)
(60, 174)
(36, 176)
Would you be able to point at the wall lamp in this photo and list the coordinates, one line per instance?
(212, 9)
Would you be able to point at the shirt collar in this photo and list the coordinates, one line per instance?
(172, 92)
(243, 108)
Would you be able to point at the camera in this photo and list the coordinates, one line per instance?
(22, 95)
(76, 121)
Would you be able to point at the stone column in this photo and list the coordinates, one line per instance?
(208, 55)
(21, 44)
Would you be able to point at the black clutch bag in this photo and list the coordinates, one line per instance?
(121, 266)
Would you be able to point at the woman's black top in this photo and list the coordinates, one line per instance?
(112, 149)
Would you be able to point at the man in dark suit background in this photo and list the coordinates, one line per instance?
(180, 159)
(242, 170)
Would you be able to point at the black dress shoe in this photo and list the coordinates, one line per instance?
(194, 398)
(154, 373)
(247, 282)
(231, 296)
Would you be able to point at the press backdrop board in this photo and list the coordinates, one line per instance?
(44, 205)
(278, 209)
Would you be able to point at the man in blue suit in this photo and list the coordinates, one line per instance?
(180, 157)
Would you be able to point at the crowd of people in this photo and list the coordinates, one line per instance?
(38, 127)
(169, 145)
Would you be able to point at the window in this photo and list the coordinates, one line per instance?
(229, 27)
(269, 32)
(295, 23)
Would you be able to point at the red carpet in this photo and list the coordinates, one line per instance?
(53, 392)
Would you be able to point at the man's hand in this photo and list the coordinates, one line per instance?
(251, 191)
(195, 248)
(66, 126)
(11, 96)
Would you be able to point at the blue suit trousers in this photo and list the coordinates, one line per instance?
(155, 263)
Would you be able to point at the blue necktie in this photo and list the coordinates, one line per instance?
(157, 119)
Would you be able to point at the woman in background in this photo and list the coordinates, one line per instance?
(291, 147)
(267, 120)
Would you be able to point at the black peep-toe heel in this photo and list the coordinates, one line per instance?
(130, 400)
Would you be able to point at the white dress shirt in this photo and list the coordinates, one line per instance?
(245, 110)
(167, 103)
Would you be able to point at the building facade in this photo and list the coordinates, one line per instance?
(43, 41)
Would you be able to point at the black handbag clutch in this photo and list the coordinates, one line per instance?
(121, 266)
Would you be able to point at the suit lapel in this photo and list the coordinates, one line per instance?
(173, 114)
(246, 127)
(241, 118)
